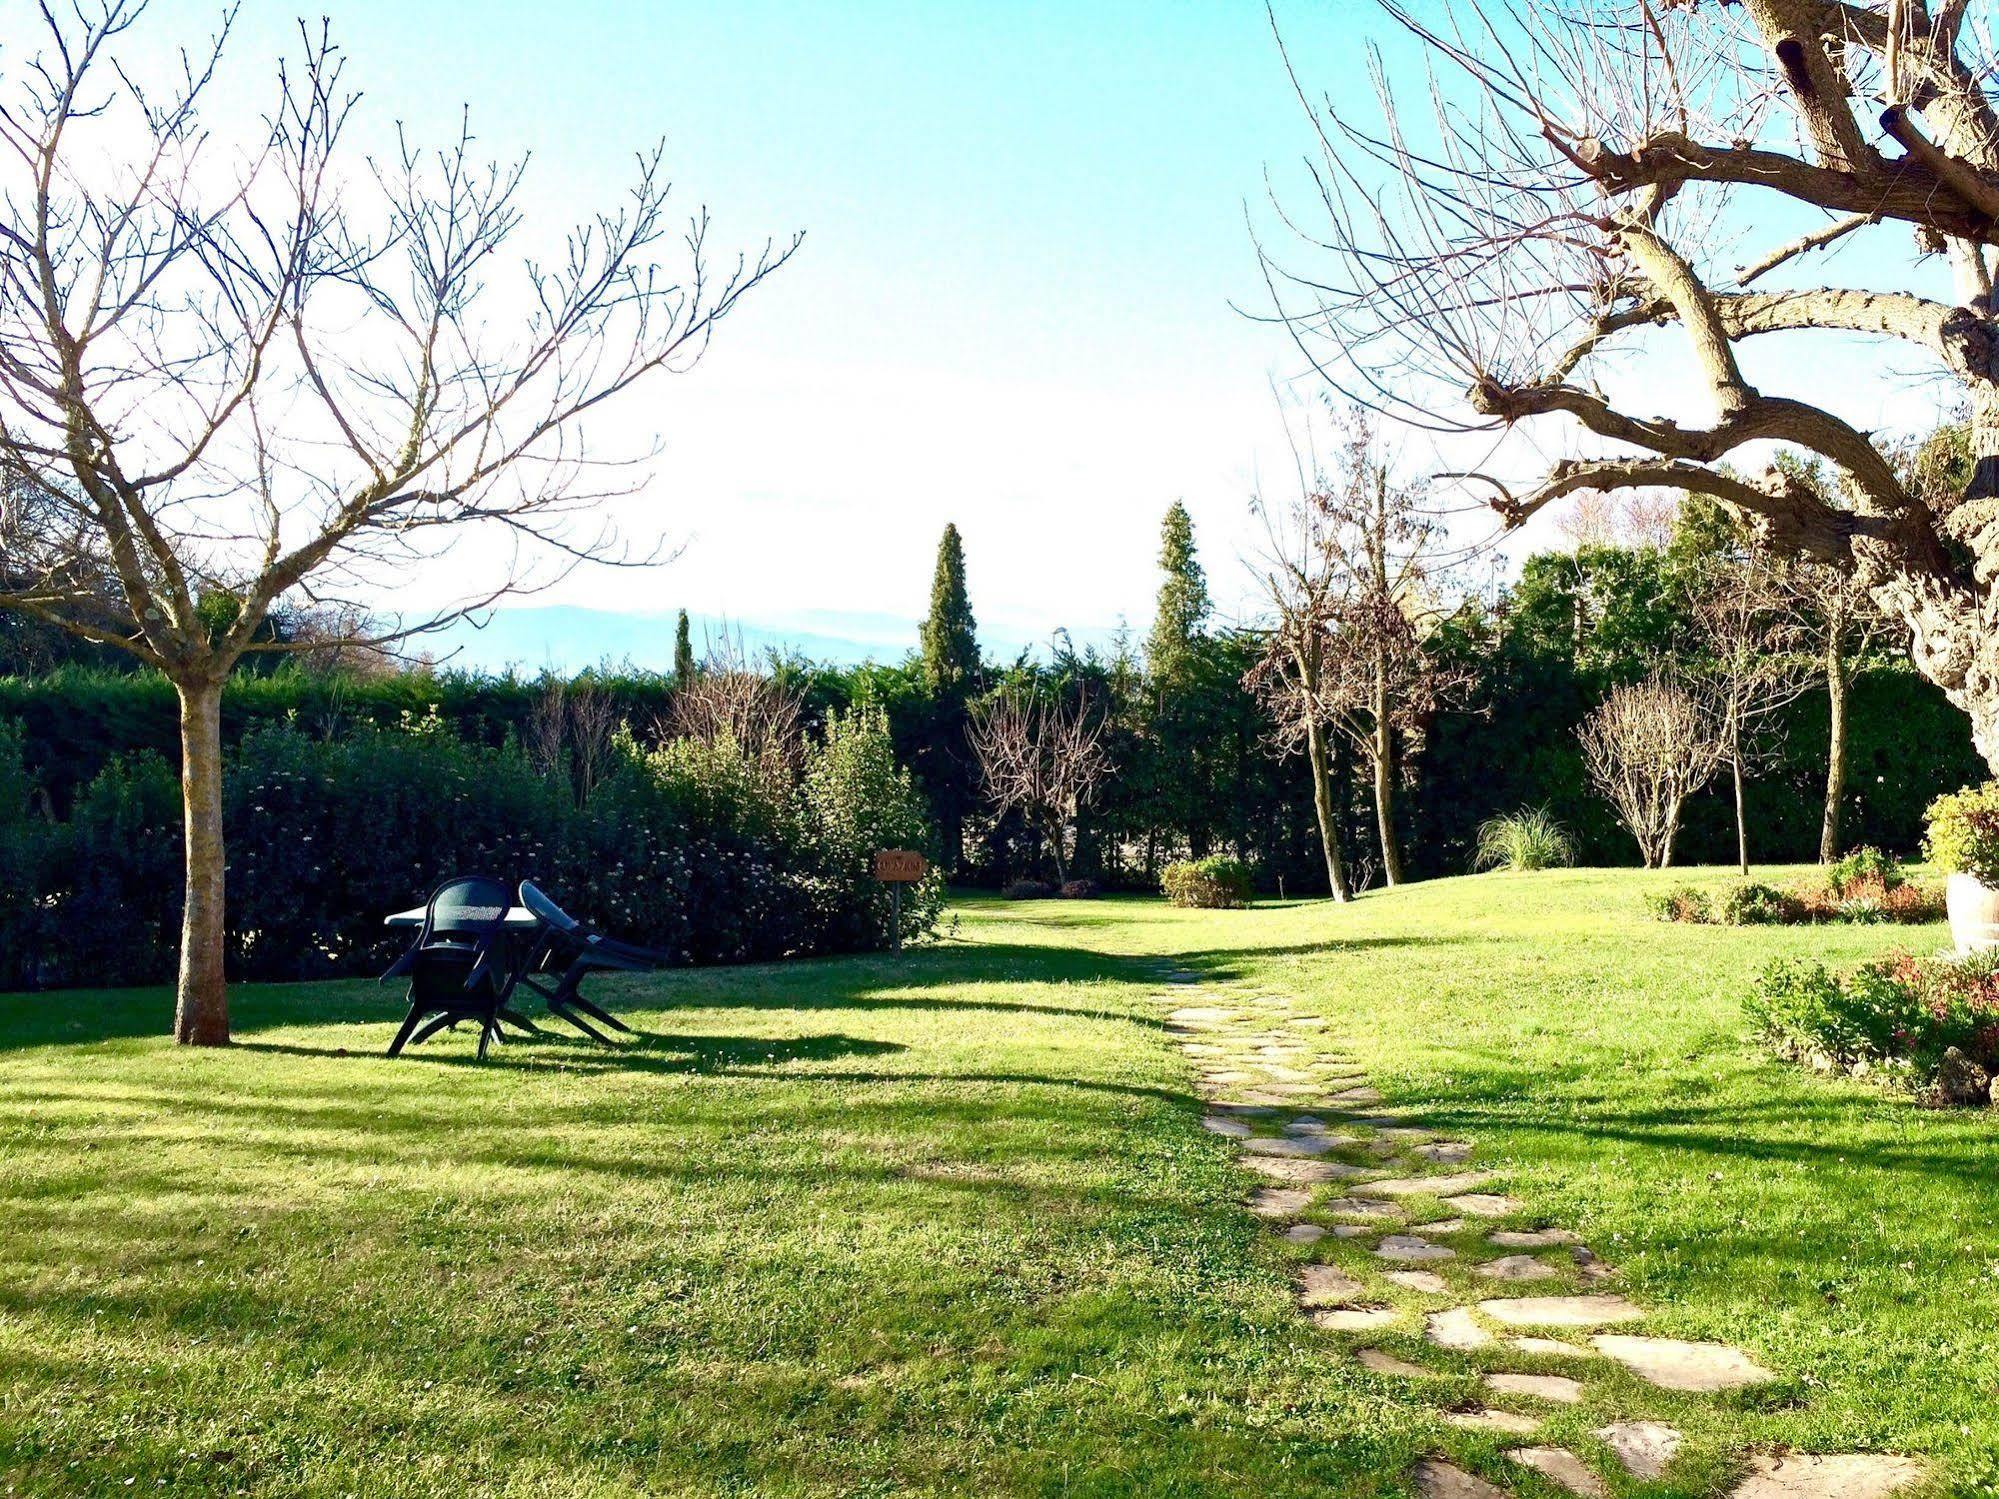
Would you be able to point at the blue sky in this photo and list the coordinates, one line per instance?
(1026, 228)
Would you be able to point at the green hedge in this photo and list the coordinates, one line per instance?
(688, 849)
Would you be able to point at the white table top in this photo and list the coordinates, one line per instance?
(518, 918)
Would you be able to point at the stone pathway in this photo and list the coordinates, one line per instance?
(1341, 1169)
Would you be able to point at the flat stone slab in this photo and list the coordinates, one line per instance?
(1353, 1318)
(1199, 1015)
(1304, 1233)
(1219, 1124)
(1326, 1285)
(1445, 1152)
(1672, 1364)
(1456, 1329)
(1510, 1422)
(1837, 1476)
(1550, 1348)
(1558, 1388)
(1377, 1362)
(1301, 1172)
(1443, 1226)
(1516, 1267)
(1355, 1230)
(1434, 1186)
(1362, 1207)
(1290, 1145)
(1645, 1448)
(1530, 1238)
(1433, 1478)
(1426, 1281)
(1482, 1204)
(1278, 1202)
(1561, 1311)
(1563, 1467)
(1411, 1250)
(1358, 1095)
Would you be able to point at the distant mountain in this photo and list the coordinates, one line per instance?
(567, 638)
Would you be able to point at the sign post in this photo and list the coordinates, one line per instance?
(896, 867)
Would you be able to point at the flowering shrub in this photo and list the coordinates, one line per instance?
(1899, 1011)
(1964, 833)
(1213, 883)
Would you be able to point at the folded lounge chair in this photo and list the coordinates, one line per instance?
(569, 951)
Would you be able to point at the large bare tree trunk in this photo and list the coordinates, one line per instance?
(1837, 680)
(1322, 802)
(1383, 756)
(201, 1009)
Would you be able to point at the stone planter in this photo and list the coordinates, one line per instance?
(1974, 913)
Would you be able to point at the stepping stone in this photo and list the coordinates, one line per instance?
(1435, 1186)
(1516, 1267)
(1290, 1169)
(1289, 1147)
(1352, 1318)
(1510, 1422)
(1482, 1204)
(1456, 1330)
(1326, 1285)
(1433, 1478)
(1672, 1364)
(1391, 1130)
(1443, 1226)
(1362, 1207)
(1446, 1152)
(1426, 1281)
(1358, 1095)
(1844, 1476)
(1353, 1230)
(1374, 1360)
(1563, 1467)
(1556, 1387)
(1644, 1447)
(1550, 1348)
(1304, 1233)
(1530, 1238)
(1216, 1124)
(1588, 1265)
(1278, 1202)
(1561, 1311)
(1411, 1250)
(1306, 1124)
(1241, 1110)
(1201, 1050)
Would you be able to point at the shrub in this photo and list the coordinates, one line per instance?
(1081, 890)
(1525, 840)
(1751, 904)
(1964, 833)
(1213, 883)
(1864, 872)
(1900, 1011)
(1687, 903)
(1028, 890)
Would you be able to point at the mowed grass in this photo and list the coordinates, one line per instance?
(948, 1224)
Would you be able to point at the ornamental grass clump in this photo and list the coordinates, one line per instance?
(1523, 841)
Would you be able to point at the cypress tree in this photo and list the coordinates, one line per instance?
(683, 652)
(950, 644)
(1183, 602)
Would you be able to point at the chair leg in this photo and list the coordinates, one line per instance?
(441, 1022)
(403, 1035)
(580, 1023)
(519, 1021)
(604, 1015)
(488, 1032)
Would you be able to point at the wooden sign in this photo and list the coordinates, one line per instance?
(900, 866)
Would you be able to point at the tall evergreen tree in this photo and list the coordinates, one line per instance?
(683, 652)
(950, 641)
(1183, 602)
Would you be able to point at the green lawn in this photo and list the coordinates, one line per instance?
(949, 1224)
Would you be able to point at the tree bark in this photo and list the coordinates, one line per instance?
(201, 1008)
(1837, 680)
(1322, 802)
(1741, 823)
(1383, 756)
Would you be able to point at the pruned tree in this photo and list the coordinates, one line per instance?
(1648, 747)
(1043, 760)
(730, 702)
(1564, 202)
(247, 370)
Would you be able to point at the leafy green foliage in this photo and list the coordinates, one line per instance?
(1964, 832)
(1522, 841)
(684, 666)
(1213, 883)
(950, 640)
(1899, 1009)
(1183, 602)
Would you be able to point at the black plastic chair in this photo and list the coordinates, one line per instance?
(462, 967)
(570, 951)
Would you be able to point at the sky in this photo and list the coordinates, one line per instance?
(1024, 304)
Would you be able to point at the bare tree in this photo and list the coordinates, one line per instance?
(593, 723)
(1046, 761)
(1838, 622)
(545, 735)
(1568, 196)
(1649, 747)
(1754, 667)
(276, 367)
(729, 701)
